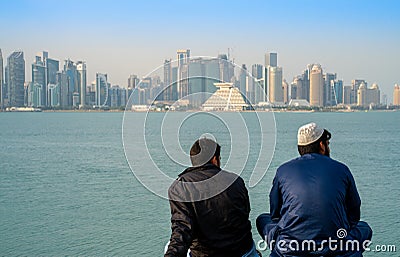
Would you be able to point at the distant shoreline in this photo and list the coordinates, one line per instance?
(153, 111)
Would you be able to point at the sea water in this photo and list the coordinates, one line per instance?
(66, 187)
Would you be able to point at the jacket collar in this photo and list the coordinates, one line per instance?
(207, 166)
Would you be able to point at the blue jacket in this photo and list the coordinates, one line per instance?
(312, 197)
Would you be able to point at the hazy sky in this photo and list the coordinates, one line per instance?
(355, 39)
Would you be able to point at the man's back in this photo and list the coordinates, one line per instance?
(319, 197)
(217, 226)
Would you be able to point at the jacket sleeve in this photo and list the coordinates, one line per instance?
(353, 202)
(275, 200)
(182, 229)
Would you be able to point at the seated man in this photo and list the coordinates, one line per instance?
(209, 208)
(314, 200)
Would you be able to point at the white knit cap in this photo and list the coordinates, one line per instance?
(308, 134)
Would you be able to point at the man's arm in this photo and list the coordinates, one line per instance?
(181, 225)
(275, 200)
(353, 202)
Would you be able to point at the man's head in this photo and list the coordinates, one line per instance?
(204, 151)
(313, 139)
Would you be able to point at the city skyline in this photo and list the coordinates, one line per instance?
(356, 40)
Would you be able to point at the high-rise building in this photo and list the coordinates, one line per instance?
(296, 91)
(101, 90)
(275, 85)
(368, 96)
(167, 80)
(16, 79)
(355, 84)
(243, 81)
(62, 83)
(329, 93)
(226, 68)
(1, 82)
(271, 59)
(338, 92)
(38, 88)
(396, 95)
(347, 95)
(316, 86)
(81, 76)
(53, 95)
(257, 72)
(285, 88)
(183, 72)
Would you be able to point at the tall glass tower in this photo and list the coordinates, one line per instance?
(1, 82)
(16, 79)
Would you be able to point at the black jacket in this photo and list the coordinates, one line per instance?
(210, 226)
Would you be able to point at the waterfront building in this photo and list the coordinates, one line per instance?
(101, 95)
(81, 82)
(1, 82)
(226, 98)
(328, 89)
(275, 85)
(15, 79)
(285, 88)
(316, 86)
(38, 83)
(337, 92)
(183, 57)
(53, 95)
(368, 96)
(396, 95)
(355, 84)
(271, 59)
(72, 80)
(168, 89)
(257, 72)
(243, 79)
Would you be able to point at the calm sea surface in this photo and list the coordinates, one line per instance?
(66, 187)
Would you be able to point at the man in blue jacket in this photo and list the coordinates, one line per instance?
(314, 204)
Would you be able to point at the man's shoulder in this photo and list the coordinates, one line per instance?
(303, 161)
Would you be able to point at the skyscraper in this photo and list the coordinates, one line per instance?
(355, 84)
(1, 82)
(101, 90)
(368, 96)
(329, 93)
(72, 80)
(257, 72)
(38, 87)
(183, 72)
(316, 86)
(338, 91)
(396, 95)
(81, 75)
(285, 88)
(167, 80)
(275, 85)
(16, 79)
(271, 59)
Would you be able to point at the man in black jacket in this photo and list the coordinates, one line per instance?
(209, 208)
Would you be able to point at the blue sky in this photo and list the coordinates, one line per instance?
(355, 39)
